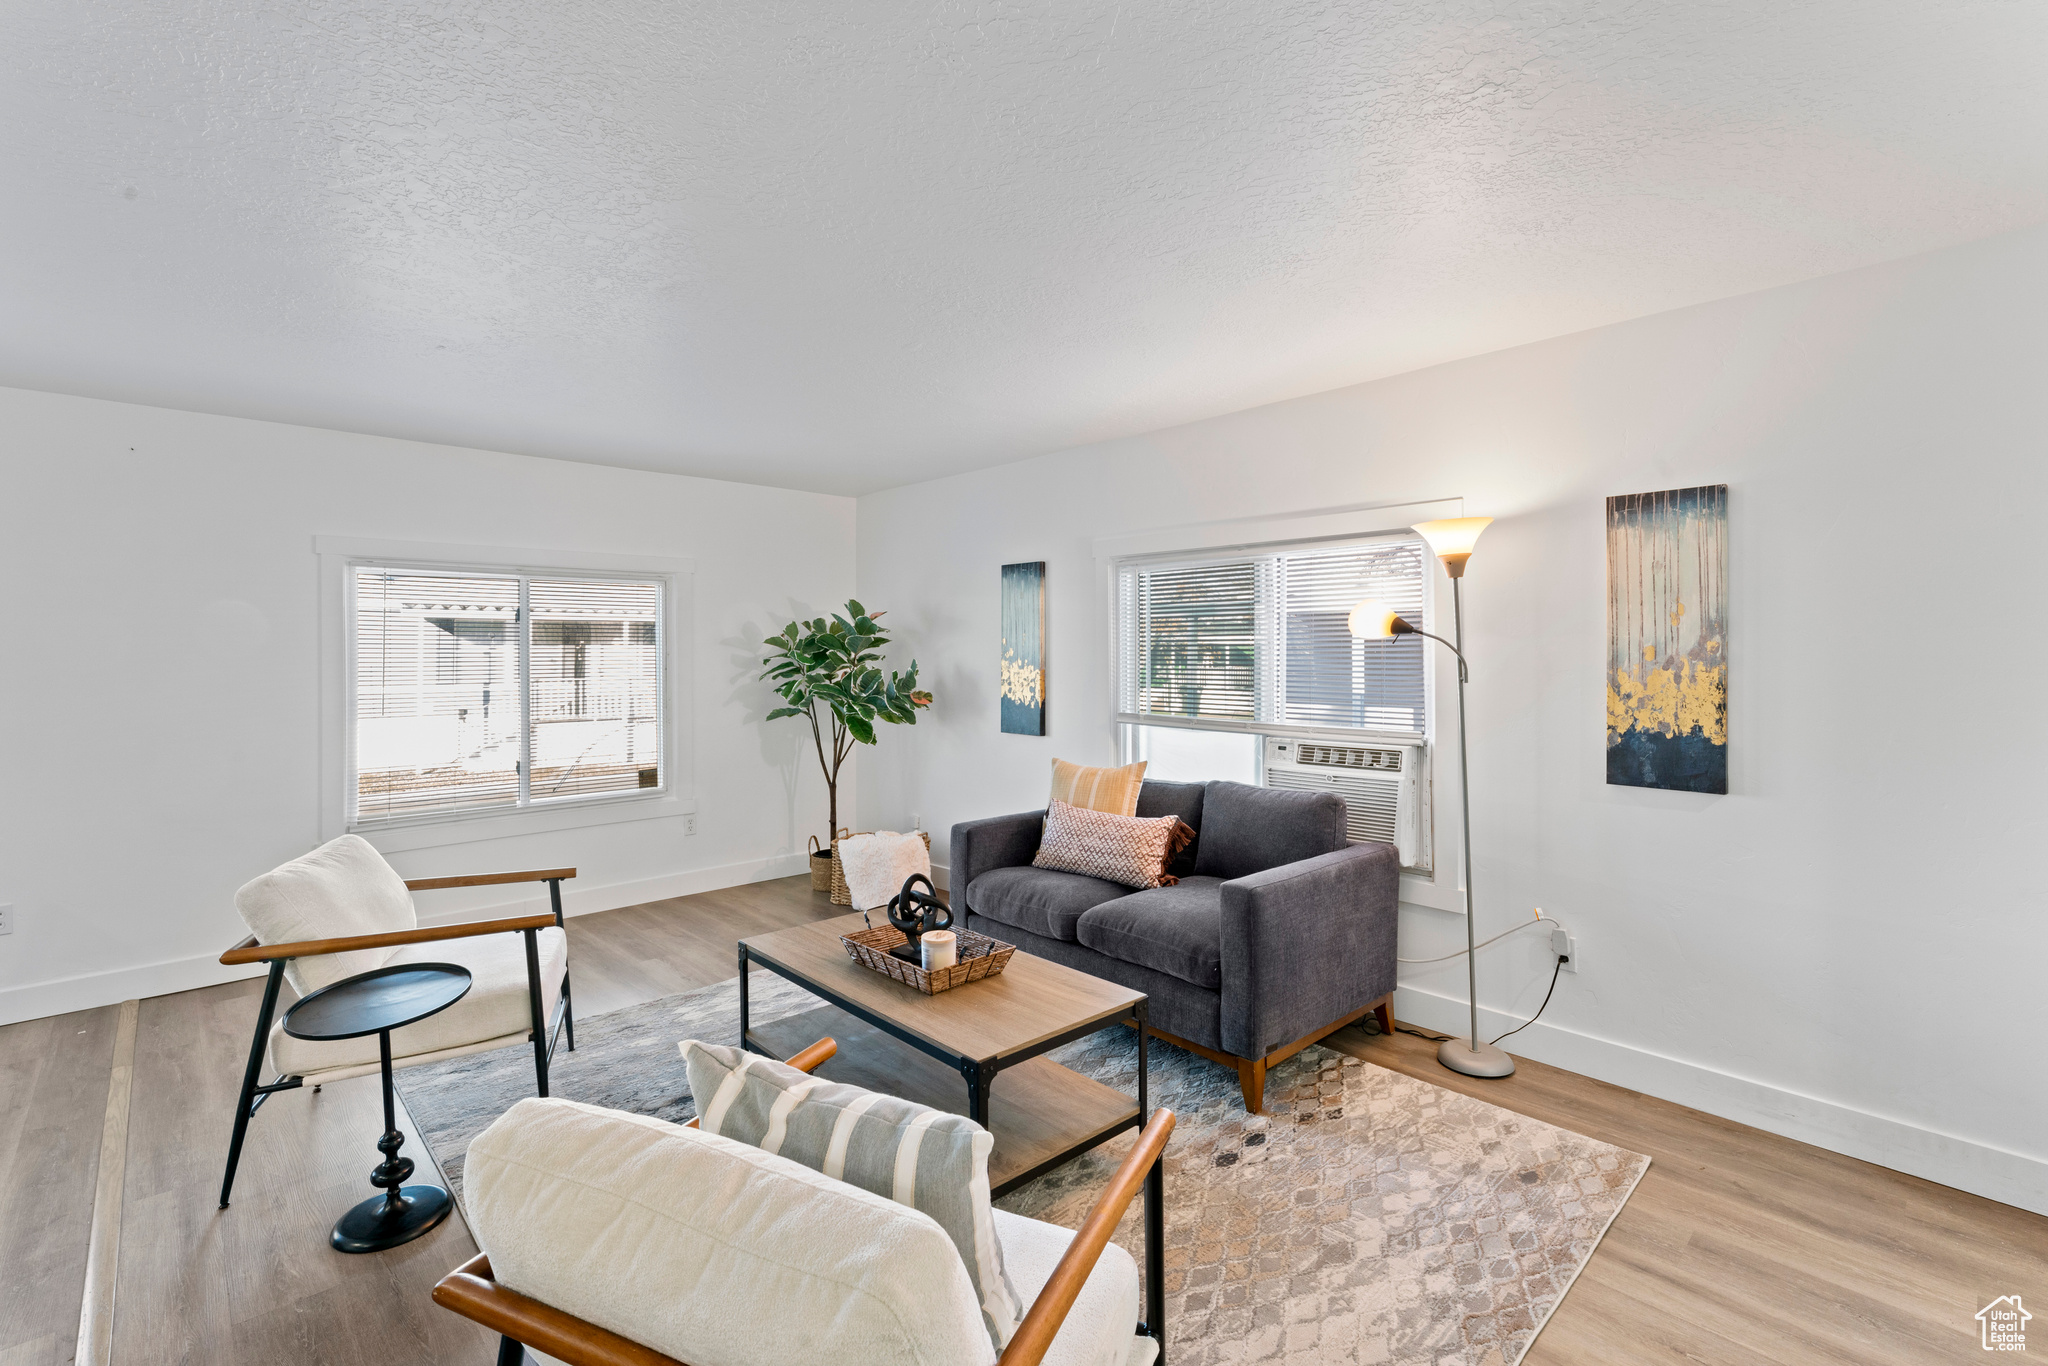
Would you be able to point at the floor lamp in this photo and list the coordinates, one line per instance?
(1452, 540)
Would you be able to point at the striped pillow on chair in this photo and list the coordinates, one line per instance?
(917, 1156)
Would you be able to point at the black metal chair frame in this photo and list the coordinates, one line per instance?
(545, 1034)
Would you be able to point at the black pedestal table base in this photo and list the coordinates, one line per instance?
(379, 1002)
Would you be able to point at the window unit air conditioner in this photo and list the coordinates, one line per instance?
(1381, 782)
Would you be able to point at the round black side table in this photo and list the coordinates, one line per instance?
(378, 1002)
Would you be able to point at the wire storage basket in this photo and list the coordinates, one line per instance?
(979, 957)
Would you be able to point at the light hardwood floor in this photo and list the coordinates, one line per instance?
(1739, 1247)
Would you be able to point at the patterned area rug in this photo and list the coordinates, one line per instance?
(1367, 1217)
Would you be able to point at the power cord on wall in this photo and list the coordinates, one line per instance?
(1555, 971)
(1546, 1000)
(1540, 919)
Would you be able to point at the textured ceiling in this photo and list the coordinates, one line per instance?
(847, 245)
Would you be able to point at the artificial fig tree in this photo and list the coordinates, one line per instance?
(837, 663)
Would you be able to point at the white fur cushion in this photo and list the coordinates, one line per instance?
(712, 1251)
(341, 889)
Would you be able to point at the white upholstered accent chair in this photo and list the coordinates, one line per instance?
(689, 1249)
(342, 910)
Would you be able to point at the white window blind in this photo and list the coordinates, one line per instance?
(481, 692)
(1265, 639)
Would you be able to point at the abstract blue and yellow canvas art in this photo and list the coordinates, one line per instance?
(1023, 616)
(1667, 639)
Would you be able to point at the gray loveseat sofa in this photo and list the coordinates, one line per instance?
(1278, 932)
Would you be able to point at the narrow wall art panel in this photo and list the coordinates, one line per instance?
(1667, 639)
(1024, 648)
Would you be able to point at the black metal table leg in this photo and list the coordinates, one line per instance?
(981, 1080)
(403, 1212)
(1144, 1071)
(743, 997)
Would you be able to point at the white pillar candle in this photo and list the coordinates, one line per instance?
(940, 949)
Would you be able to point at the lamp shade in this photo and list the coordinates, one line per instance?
(1374, 620)
(1452, 539)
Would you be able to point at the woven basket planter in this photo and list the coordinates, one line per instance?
(980, 956)
(841, 896)
(822, 867)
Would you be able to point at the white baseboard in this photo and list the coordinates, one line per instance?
(1981, 1169)
(89, 990)
(586, 900)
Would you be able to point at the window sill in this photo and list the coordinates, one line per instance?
(1439, 893)
(432, 834)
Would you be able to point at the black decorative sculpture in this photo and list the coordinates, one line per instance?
(917, 914)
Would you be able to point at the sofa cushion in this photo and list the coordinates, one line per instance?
(1114, 790)
(1040, 900)
(498, 1006)
(1175, 930)
(1097, 1330)
(1247, 830)
(1128, 850)
(712, 1251)
(915, 1155)
(1184, 800)
(1179, 1008)
(340, 890)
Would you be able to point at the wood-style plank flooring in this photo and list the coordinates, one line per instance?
(1739, 1247)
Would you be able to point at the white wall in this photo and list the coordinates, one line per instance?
(1849, 947)
(160, 695)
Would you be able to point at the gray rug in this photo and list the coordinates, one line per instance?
(624, 1060)
(1366, 1217)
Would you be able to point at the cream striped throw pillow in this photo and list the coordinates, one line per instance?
(917, 1156)
(1114, 790)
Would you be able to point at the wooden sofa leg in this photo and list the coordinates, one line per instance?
(1251, 1078)
(1384, 1013)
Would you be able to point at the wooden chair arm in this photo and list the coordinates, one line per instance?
(433, 884)
(806, 1061)
(470, 1292)
(249, 951)
(1033, 1336)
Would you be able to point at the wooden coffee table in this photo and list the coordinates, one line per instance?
(946, 1051)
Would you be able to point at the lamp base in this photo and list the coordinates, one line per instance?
(1484, 1061)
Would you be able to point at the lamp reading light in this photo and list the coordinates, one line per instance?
(1372, 620)
(1452, 539)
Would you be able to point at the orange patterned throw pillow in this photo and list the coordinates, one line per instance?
(1132, 850)
(1114, 790)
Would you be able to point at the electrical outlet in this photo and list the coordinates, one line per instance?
(1564, 946)
(689, 823)
(916, 821)
(6, 920)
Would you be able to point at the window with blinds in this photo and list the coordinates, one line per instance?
(481, 692)
(1235, 643)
